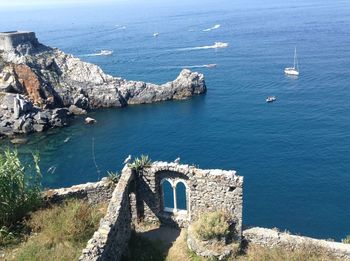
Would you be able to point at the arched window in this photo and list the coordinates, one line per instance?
(174, 196)
(181, 196)
(168, 196)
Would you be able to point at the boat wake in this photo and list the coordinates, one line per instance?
(101, 53)
(216, 45)
(211, 65)
(212, 28)
(200, 66)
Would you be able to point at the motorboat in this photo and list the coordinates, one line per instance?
(271, 99)
(220, 45)
(106, 52)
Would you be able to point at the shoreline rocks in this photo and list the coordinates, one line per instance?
(89, 120)
(44, 88)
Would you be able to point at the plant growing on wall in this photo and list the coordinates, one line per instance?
(140, 163)
(113, 176)
(214, 225)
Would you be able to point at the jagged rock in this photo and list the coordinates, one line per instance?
(89, 120)
(42, 117)
(81, 101)
(30, 81)
(5, 123)
(28, 126)
(8, 131)
(60, 117)
(185, 85)
(18, 124)
(25, 106)
(76, 110)
(38, 127)
(47, 80)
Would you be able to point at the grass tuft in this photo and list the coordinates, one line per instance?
(60, 232)
(214, 225)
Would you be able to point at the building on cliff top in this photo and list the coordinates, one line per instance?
(12, 39)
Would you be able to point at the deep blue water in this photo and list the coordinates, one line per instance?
(294, 154)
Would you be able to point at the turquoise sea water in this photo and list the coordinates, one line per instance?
(294, 154)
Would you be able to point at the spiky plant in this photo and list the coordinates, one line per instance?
(113, 176)
(140, 163)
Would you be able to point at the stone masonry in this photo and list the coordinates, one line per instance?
(94, 193)
(206, 191)
(110, 241)
(271, 238)
(138, 196)
(11, 40)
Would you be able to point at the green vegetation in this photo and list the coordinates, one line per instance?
(178, 251)
(113, 177)
(140, 163)
(20, 193)
(214, 225)
(60, 232)
(143, 249)
(346, 240)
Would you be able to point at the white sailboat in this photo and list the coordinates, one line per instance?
(295, 69)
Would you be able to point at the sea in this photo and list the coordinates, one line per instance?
(294, 153)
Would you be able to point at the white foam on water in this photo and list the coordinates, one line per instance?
(200, 66)
(101, 53)
(214, 46)
(212, 28)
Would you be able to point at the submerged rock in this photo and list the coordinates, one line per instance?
(19, 140)
(39, 83)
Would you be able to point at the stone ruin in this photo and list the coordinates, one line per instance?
(140, 196)
(18, 41)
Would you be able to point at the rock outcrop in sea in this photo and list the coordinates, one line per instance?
(42, 87)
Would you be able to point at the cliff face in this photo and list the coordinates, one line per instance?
(42, 87)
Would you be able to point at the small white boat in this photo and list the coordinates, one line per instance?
(106, 52)
(220, 45)
(271, 99)
(155, 34)
(295, 69)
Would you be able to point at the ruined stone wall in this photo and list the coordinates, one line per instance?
(10, 40)
(206, 191)
(110, 241)
(93, 192)
(271, 238)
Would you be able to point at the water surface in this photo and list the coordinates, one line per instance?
(294, 153)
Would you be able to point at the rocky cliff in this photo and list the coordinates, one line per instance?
(42, 87)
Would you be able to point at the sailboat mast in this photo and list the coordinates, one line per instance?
(295, 56)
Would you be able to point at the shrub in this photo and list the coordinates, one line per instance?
(61, 231)
(346, 240)
(140, 163)
(20, 188)
(214, 225)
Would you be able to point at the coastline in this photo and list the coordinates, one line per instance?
(44, 88)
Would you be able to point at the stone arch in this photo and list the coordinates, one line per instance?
(181, 191)
(167, 195)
